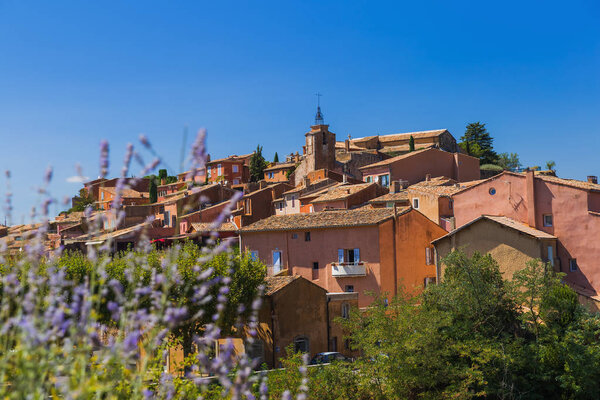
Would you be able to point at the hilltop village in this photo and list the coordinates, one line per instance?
(339, 218)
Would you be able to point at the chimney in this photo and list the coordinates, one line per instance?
(347, 145)
(530, 186)
(427, 177)
(592, 179)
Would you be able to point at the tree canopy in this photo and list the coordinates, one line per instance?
(257, 165)
(477, 142)
(82, 201)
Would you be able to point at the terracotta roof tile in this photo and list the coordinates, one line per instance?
(322, 219)
(276, 283)
(391, 197)
(342, 192)
(230, 158)
(402, 136)
(280, 166)
(209, 227)
(507, 222)
(395, 159)
(127, 193)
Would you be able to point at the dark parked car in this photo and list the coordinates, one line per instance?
(327, 357)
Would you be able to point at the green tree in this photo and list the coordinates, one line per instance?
(276, 158)
(82, 201)
(153, 189)
(478, 142)
(411, 144)
(257, 165)
(509, 162)
(550, 165)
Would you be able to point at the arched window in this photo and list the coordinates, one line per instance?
(301, 344)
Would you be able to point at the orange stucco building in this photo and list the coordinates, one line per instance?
(349, 251)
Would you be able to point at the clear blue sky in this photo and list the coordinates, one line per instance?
(73, 73)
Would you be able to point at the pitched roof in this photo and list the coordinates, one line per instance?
(392, 160)
(226, 226)
(570, 182)
(391, 197)
(322, 219)
(507, 222)
(279, 166)
(126, 193)
(342, 192)
(315, 185)
(276, 283)
(402, 136)
(230, 158)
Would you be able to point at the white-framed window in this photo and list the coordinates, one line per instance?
(416, 203)
(369, 179)
(573, 264)
(276, 261)
(551, 255)
(428, 256)
(219, 170)
(235, 168)
(548, 220)
(271, 175)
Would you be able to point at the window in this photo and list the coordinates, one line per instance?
(324, 138)
(254, 255)
(384, 180)
(208, 172)
(276, 261)
(450, 204)
(173, 220)
(572, 264)
(293, 201)
(369, 179)
(389, 204)
(307, 236)
(349, 288)
(349, 256)
(492, 191)
(271, 175)
(301, 344)
(255, 350)
(236, 181)
(315, 265)
(428, 256)
(294, 236)
(280, 205)
(235, 168)
(248, 206)
(219, 171)
(166, 218)
(345, 310)
(551, 255)
(548, 220)
(102, 196)
(429, 281)
(416, 203)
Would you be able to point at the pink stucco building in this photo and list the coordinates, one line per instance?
(566, 208)
(349, 251)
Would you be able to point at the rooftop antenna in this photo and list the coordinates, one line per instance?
(319, 116)
(182, 156)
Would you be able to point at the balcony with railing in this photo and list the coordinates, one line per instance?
(348, 269)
